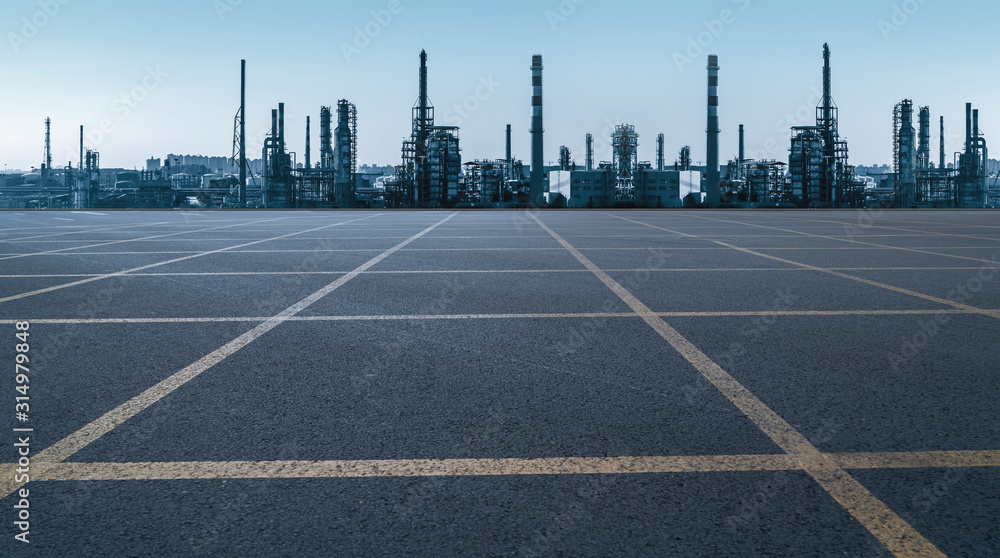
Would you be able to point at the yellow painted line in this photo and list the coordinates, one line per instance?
(946, 302)
(63, 449)
(539, 316)
(181, 470)
(889, 528)
(417, 468)
(150, 266)
(920, 460)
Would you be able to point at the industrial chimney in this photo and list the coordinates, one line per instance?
(590, 152)
(712, 192)
(537, 133)
(742, 155)
(659, 152)
(510, 152)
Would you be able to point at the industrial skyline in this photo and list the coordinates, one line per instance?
(166, 93)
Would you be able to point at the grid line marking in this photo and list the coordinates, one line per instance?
(888, 527)
(65, 448)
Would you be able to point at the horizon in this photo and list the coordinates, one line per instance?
(160, 90)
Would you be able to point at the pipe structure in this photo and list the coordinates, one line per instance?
(712, 191)
(274, 124)
(590, 152)
(537, 134)
(243, 133)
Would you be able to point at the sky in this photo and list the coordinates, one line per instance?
(156, 77)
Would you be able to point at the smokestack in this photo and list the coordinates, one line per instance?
(713, 195)
(510, 154)
(975, 124)
(243, 133)
(274, 125)
(968, 127)
(659, 152)
(423, 100)
(827, 87)
(308, 144)
(537, 134)
(942, 163)
(281, 126)
(742, 145)
(81, 148)
(48, 144)
(590, 152)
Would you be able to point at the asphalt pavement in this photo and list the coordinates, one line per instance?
(486, 383)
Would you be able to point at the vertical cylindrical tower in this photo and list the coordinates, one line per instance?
(308, 144)
(590, 152)
(968, 127)
(537, 133)
(281, 126)
(942, 163)
(325, 138)
(712, 192)
(510, 153)
(924, 142)
(659, 152)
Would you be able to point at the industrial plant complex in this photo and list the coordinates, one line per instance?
(431, 173)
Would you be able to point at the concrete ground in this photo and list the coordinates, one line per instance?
(502, 383)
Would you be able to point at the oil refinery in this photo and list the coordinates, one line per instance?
(431, 174)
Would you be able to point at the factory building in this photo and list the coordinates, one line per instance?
(626, 182)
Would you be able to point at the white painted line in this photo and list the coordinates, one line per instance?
(88, 213)
(109, 243)
(150, 266)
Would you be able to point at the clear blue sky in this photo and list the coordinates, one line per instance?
(605, 62)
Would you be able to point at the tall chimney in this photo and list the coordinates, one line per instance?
(81, 148)
(308, 145)
(943, 163)
(281, 126)
(659, 152)
(975, 125)
(48, 144)
(537, 134)
(590, 152)
(510, 153)
(968, 127)
(243, 133)
(712, 192)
